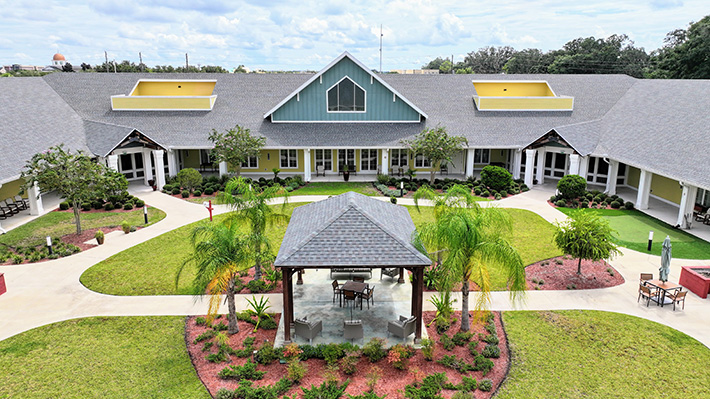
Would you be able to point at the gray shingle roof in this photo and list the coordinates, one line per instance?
(349, 230)
(102, 138)
(33, 118)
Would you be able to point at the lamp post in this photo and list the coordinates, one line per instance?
(401, 189)
(145, 213)
(49, 244)
(650, 239)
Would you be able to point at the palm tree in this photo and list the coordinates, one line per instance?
(469, 239)
(252, 204)
(219, 254)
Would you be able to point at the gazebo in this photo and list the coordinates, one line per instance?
(350, 231)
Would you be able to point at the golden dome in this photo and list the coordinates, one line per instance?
(58, 57)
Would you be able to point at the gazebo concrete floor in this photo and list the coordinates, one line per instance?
(314, 299)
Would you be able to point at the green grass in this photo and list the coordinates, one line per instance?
(149, 268)
(593, 354)
(531, 235)
(633, 226)
(100, 357)
(55, 224)
(336, 188)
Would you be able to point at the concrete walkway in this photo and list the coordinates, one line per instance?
(48, 292)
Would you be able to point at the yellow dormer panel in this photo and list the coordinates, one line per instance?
(167, 95)
(510, 95)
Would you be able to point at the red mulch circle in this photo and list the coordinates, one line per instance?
(556, 276)
(392, 381)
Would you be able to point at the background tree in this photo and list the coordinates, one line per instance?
(470, 240)
(67, 67)
(76, 177)
(236, 146)
(437, 146)
(489, 59)
(85, 67)
(530, 60)
(250, 204)
(615, 54)
(219, 254)
(686, 53)
(585, 235)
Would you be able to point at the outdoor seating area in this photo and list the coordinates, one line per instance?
(660, 292)
(12, 206)
(701, 214)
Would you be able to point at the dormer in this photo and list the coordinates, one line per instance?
(167, 95)
(516, 95)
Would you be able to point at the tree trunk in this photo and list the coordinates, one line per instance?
(465, 323)
(77, 217)
(579, 266)
(233, 327)
(239, 169)
(257, 265)
(432, 173)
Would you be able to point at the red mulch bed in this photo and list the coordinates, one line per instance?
(392, 381)
(563, 276)
(250, 276)
(589, 205)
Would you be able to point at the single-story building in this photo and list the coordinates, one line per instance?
(615, 130)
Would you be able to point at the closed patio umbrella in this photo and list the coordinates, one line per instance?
(665, 269)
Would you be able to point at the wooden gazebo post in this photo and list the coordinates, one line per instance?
(417, 301)
(287, 302)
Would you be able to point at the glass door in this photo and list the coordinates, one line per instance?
(346, 157)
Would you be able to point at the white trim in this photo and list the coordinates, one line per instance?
(327, 98)
(288, 158)
(352, 112)
(327, 67)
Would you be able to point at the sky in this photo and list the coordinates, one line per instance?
(308, 34)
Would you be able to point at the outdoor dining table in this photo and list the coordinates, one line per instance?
(354, 286)
(664, 287)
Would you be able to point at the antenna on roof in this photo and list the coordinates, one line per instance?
(380, 48)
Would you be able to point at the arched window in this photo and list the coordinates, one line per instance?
(346, 96)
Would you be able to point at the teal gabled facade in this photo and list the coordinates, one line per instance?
(309, 103)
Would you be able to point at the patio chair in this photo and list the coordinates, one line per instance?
(647, 293)
(308, 330)
(403, 327)
(352, 329)
(5, 213)
(645, 277)
(368, 296)
(390, 272)
(26, 201)
(11, 207)
(444, 169)
(19, 204)
(320, 170)
(336, 290)
(349, 296)
(677, 297)
(359, 279)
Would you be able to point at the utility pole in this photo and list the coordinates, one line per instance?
(380, 48)
(452, 64)
(140, 57)
(106, 55)
(187, 65)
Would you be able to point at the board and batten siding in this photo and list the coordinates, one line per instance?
(311, 103)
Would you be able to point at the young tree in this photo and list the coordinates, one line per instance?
(76, 177)
(189, 178)
(236, 146)
(585, 235)
(219, 254)
(437, 146)
(469, 239)
(251, 204)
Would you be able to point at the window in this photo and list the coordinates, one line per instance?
(368, 159)
(346, 96)
(346, 157)
(251, 163)
(703, 197)
(597, 170)
(289, 159)
(482, 155)
(205, 157)
(420, 161)
(325, 158)
(399, 157)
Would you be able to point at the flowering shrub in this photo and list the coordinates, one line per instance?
(399, 355)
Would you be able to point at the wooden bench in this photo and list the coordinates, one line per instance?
(351, 271)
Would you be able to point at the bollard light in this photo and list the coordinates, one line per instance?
(145, 213)
(650, 239)
(49, 244)
(401, 189)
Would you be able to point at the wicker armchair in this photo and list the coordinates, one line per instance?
(403, 327)
(308, 330)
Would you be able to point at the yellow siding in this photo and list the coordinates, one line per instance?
(666, 188)
(148, 103)
(531, 103)
(174, 88)
(191, 159)
(632, 179)
(498, 155)
(11, 189)
(513, 89)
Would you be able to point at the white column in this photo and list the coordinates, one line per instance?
(529, 167)
(35, 197)
(574, 164)
(644, 189)
(223, 169)
(173, 162)
(147, 169)
(307, 164)
(687, 202)
(612, 175)
(469, 161)
(517, 161)
(540, 175)
(583, 165)
(113, 162)
(159, 168)
(385, 164)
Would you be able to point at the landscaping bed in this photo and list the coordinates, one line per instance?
(406, 187)
(391, 374)
(560, 273)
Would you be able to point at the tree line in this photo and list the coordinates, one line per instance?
(684, 55)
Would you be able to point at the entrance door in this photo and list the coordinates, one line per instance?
(555, 164)
(325, 158)
(131, 165)
(368, 159)
(346, 157)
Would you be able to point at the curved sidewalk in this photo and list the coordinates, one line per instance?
(47, 292)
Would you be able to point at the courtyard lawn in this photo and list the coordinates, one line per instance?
(593, 354)
(633, 226)
(337, 188)
(56, 224)
(149, 268)
(100, 357)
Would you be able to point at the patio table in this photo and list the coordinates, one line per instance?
(664, 287)
(353, 286)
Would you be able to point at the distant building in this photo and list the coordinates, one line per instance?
(416, 71)
(58, 62)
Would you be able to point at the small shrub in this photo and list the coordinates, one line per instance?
(64, 205)
(218, 357)
(348, 364)
(175, 191)
(503, 193)
(189, 178)
(374, 350)
(460, 365)
(468, 384)
(246, 372)
(257, 286)
(572, 186)
(447, 342)
(224, 393)
(461, 338)
(491, 350)
(496, 178)
(128, 206)
(428, 347)
(498, 196)
(268, 324)
(86, 206)
(97, 204)
(483, 364)
(296, 370)
(616, 204)
(126, 227)
(140, 203)
(629, 205)
(491, 339)
(185, 193)
(207, 346)
(393, 199)
(209, 191)
(462, 395)
(328, 389)
(332, 353)
(485, 385)
(220, 327)
(209, 334)
(108, 206)
(561, 203)
(197, 193)
(266, 354)
(373, 377)
(584, 204)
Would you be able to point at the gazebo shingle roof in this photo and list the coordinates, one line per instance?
(349, 230)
